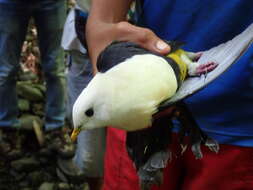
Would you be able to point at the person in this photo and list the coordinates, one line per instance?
(223, 110)
(49, 17)
(90, 150)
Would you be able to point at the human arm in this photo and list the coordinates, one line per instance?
(107, 23)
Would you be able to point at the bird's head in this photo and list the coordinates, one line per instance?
(91, 109)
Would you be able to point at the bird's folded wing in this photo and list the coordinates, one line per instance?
(225, 55)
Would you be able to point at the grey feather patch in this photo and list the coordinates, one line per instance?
(149, 181)
(212, 145)
(152, 172)
(158, 161)
(197, 151)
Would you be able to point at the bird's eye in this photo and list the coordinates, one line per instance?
(89, 112)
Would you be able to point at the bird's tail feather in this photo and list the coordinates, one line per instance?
(149, 148)
(152, 172)
(190, 129)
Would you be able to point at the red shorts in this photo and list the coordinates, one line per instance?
(230, 169)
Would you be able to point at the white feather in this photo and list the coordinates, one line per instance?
(127, 95)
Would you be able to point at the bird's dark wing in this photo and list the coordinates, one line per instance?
(116, 53)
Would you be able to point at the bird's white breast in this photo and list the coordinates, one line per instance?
(140, 84)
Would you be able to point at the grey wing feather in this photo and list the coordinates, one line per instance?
(231, 50)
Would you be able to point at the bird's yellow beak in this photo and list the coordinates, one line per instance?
(75, 133)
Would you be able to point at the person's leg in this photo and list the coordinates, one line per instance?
(49, 19)
(13, 26)
(91, 144)
(78, 76)
(119, 172)
(231, 168)
(90, 156)
(49, 16)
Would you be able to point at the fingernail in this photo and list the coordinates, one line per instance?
(161, 45)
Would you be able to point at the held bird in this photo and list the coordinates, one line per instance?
(130, 93)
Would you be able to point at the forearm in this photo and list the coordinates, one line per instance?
(101, 28)
(107, 23)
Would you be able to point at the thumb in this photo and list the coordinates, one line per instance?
(160, 46)
(144, 37)
(149, 40)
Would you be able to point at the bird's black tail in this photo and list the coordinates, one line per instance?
(190, 129)
(149, 148)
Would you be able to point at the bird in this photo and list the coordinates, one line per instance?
(130, 92)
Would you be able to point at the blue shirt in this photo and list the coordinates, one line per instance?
(224, 109)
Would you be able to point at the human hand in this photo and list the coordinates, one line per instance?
(121, 31)
(144, 37)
